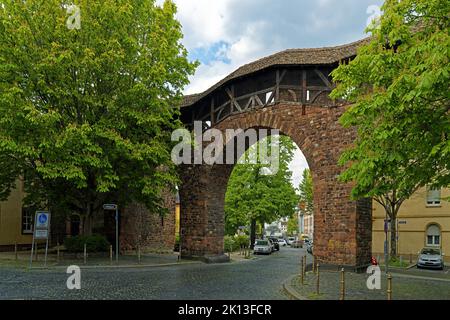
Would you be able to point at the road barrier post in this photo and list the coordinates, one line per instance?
(301, 271)
(318, 279)
(389, 287)
(342, 284)
(85, 253)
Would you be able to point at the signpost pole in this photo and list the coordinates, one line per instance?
(32, 250)
(46, 246)
(117, 234)
(115, 207)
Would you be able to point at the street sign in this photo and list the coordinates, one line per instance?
(41, 231)
(42, 219)
(110, 206)
(40, 234)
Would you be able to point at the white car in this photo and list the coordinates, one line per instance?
(263, 246)
(290, 240)
(282, 242)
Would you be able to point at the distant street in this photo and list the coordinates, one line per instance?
(260, 278)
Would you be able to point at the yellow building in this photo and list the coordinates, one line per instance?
(15, 221)
(423, 221)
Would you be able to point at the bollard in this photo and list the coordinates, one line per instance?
(301, 271)
(304, 266)
(389, 287)
(36, 249)
(15, 251)
(401, 261)
(342, 284)
(410, 258)
(57, 252)
(139, 253)
(84, 254)
(318, 279)
(110, 254)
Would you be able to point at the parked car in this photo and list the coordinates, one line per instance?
(431, 258)
(290, 240)
(275, 244)
(297, 244)
(282, 242)
(309, 247)
(263, 246)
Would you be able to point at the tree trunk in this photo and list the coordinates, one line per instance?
(393, 236)
(88, 221)
(252, 233)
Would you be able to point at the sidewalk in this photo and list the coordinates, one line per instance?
(404, 287)
(8, 259)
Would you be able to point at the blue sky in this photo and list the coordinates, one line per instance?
(225, 34)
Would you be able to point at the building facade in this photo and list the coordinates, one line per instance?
(423, 221)
(136, 225)
(16, 222)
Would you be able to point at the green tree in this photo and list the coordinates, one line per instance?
(399, 89)
(292, 224)
(254, 196)
(306, 192)
(86, 113)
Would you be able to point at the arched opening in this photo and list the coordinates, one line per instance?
(433, 236)
(262, 203)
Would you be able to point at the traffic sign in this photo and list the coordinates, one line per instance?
(41, 234)
(42, 219)
(110, 206)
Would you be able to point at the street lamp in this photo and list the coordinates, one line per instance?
(113, 207)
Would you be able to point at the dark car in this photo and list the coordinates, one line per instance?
(276, 245)
(309, 247)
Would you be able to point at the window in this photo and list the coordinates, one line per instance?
(27, 220)
(433, 197)
(433, 235)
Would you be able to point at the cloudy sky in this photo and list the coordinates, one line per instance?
(225, 34)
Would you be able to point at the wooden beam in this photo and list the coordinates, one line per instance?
(277, 87)
(258, 100)
(212, 111)
(304, 87)
(324, 78)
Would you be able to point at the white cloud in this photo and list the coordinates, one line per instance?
(256, 28)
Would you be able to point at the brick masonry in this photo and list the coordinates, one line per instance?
(157, 233)
(342, 227)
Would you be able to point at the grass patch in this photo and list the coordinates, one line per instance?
(315, 296)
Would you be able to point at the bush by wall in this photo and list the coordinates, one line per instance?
(234, 243)
(94, 243)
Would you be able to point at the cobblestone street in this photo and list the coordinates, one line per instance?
(259, 278)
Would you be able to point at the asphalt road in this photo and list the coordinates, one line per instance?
(257, 279)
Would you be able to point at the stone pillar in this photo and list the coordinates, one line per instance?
(202, 197)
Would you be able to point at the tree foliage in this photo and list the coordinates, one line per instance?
(306, 192)
(86, 114)
(399, 89)
(251, 195)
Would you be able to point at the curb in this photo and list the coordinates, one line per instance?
(290, 291)
(121, 266)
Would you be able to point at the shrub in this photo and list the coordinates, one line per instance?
(94, 243)
(242, 241)
(229, 244)
(234, 243)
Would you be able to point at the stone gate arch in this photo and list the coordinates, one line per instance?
(289, 92)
